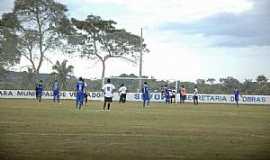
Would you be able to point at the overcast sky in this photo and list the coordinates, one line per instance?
(188, 39)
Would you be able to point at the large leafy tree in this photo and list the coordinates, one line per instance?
(9, 55)
(39, 27)
(62, 72)
(100, 39)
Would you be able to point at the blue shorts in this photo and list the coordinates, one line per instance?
(146, 98)
(55, 93)
(79, 97)
(39, 93)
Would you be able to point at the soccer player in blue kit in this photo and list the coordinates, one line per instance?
(79, 93)
(39, 90)
(167, 94)
(56, 91)
(236, 96)
(145, 94)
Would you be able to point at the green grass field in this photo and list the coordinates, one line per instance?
(32, 131)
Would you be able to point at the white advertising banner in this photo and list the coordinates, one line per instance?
(155, 97)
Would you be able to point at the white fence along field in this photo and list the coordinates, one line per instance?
(155, 97)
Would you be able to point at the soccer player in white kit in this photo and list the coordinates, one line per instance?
(123, 93)
(108, 90)
(195, 96)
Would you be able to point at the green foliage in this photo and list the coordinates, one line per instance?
(26, 80)
(211, 80)
(100, 39)
(9, 55)
(261, 79)
(200, 81)
(37, 27)
(62, 73)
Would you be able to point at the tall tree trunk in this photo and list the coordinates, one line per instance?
(41, 52)
(103, 69)
(64, 83)
(36, 75)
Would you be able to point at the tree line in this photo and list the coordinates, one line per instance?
(26, 80)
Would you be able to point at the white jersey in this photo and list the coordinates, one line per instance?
(195, 92)
(85, 87)
(123, 90)
(108, 90)
(170, 92)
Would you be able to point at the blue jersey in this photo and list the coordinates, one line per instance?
(80, 87)
(56, 87)
(145, 92)
(236, 94)
(167, 92)
(39, 88)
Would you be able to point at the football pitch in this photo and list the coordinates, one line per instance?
(35, 131)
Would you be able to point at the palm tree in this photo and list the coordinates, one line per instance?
(62, 72)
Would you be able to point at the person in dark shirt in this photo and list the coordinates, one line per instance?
(79, 93)
(39, 90)
(56, 91)
(145, 94)
(236, 96)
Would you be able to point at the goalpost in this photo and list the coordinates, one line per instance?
(141, 79)
(127, 78)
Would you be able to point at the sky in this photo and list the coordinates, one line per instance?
(187, 39)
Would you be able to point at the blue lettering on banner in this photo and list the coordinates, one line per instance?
(6, 93)
(263, 99)
(258, 99)
(137, 96)
(48, 94)
(210, 98)
(189, 97)
(71, 94)
(223, 98)
(201, 97)
(253, 99)
(96, 95)
(232, 99)
(157, 97)
(26, 93)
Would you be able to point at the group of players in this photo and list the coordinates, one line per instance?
(108, 89)
(170, 94)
